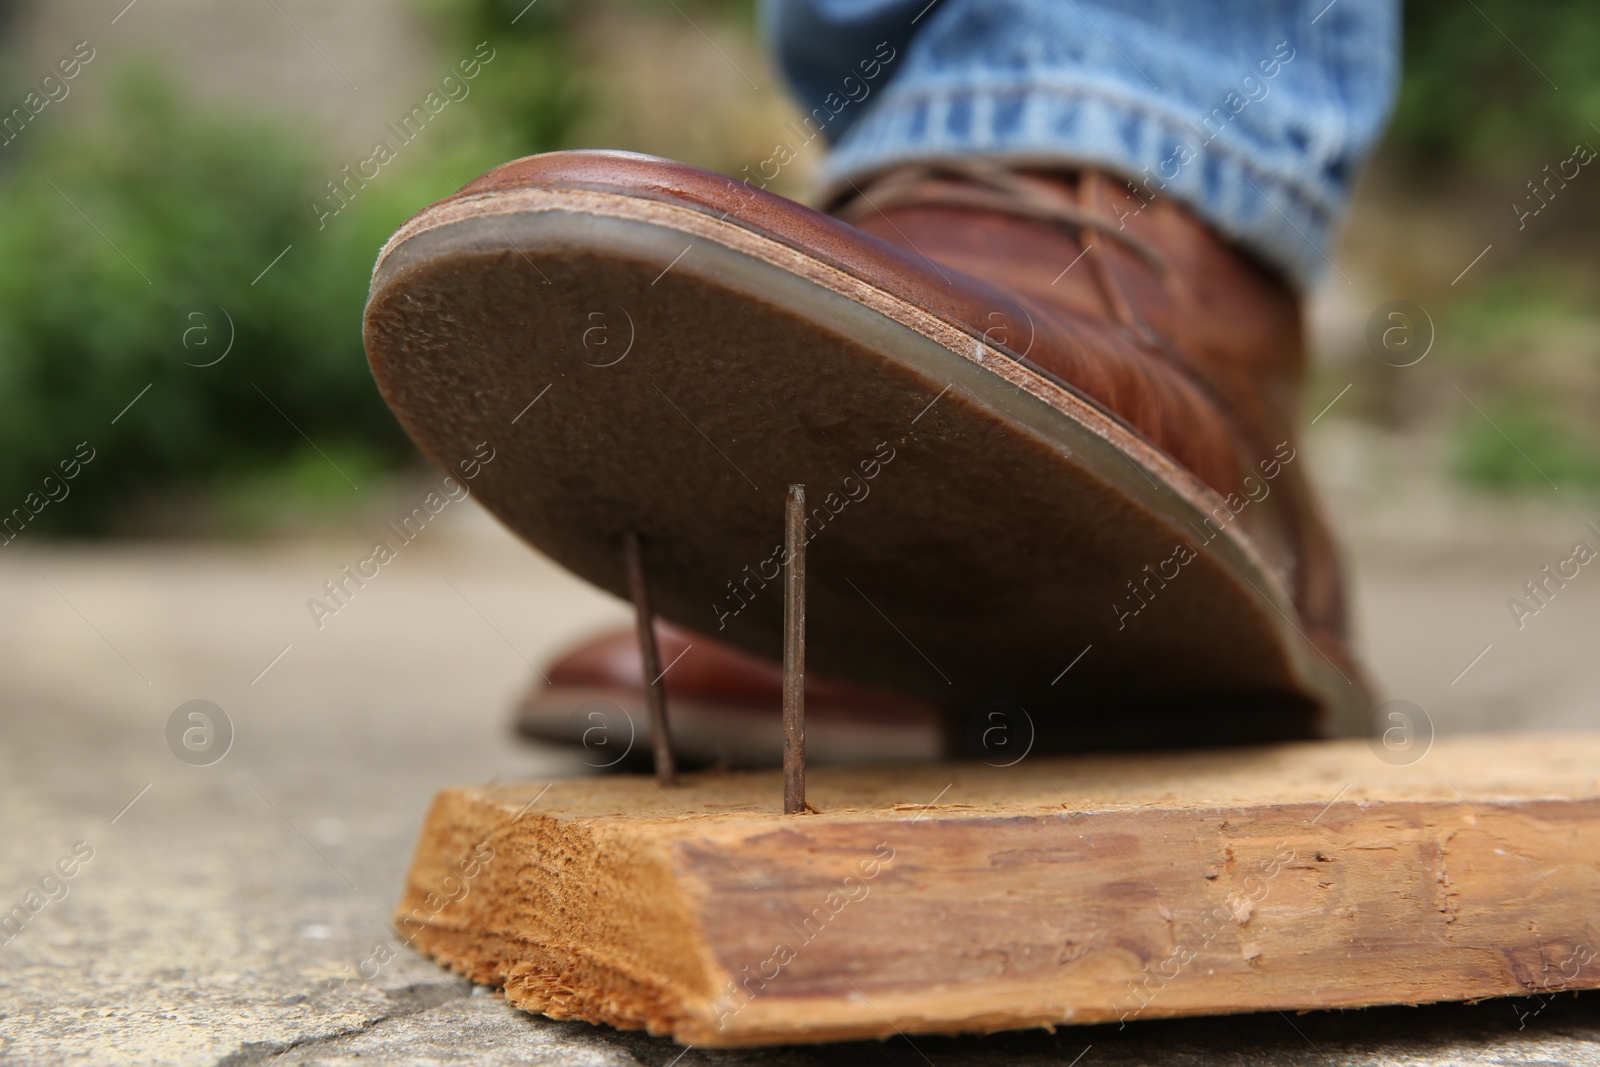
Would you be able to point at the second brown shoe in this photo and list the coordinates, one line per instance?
(1047, 429)
(725, 708)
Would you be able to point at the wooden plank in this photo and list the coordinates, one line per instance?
(958, 898)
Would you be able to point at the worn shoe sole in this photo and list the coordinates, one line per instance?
(980, 533)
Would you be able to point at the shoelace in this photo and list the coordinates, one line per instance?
(986, 185)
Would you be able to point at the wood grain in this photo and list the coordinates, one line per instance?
(958, 898)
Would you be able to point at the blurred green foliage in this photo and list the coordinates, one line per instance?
(1481, 82)
(141, 229)
(1480, 113)
(1520, 444)
(1526, 344)
(132, 248)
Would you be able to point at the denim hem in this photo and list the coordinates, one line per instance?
(1275, 215)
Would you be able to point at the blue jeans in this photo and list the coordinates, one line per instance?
(1253, 113)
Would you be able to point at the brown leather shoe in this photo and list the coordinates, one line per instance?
(1048, 428)
(725, 708)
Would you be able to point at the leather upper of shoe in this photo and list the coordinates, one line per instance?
(1148, 311)
(1134, 305)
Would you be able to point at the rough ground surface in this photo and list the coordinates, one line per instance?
(230, 914)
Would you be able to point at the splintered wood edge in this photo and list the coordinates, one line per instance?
(610, 900)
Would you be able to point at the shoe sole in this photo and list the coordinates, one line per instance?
(980, 534)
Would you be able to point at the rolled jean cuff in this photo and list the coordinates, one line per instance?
(1272, 212)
